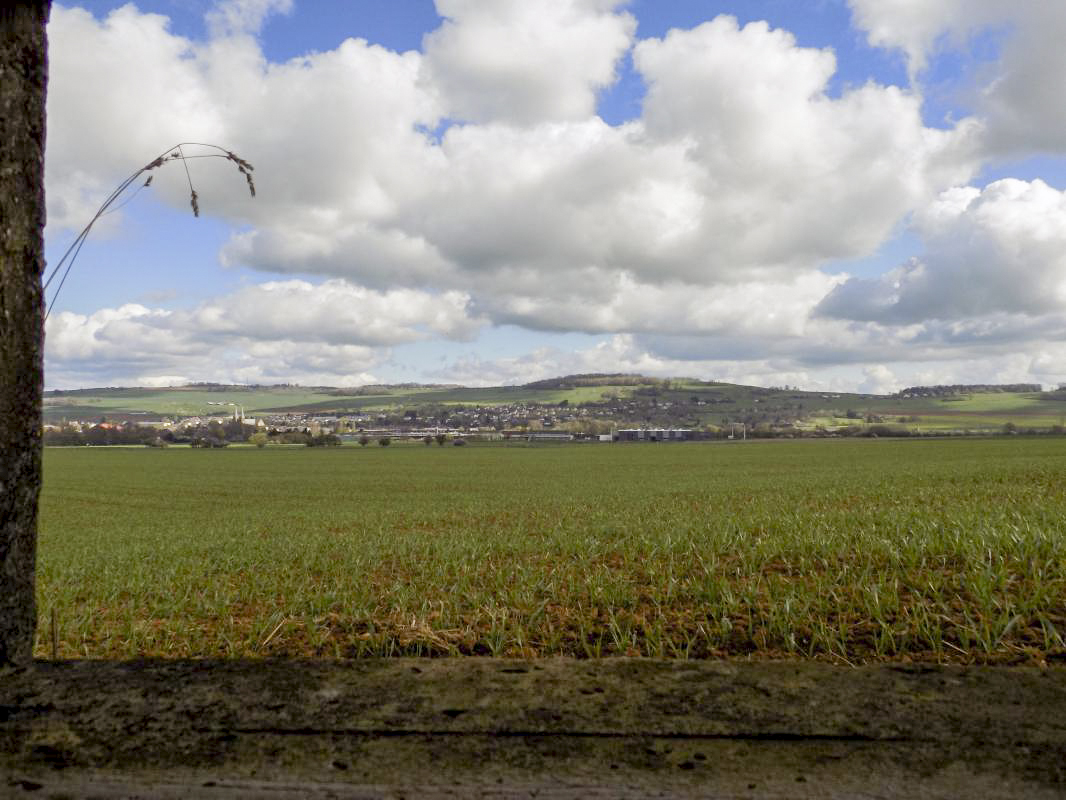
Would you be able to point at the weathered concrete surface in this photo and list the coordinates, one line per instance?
(23, 75)
(491, 728)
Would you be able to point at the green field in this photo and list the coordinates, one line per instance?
(461, 396)
(175, 402)
(846, 550)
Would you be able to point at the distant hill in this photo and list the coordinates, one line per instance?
(622, 399)
(590, 379)
(593, 379)
(373, 389)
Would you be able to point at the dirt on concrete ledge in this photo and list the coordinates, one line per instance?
(552, 728)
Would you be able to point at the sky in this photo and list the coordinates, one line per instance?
(848, 195)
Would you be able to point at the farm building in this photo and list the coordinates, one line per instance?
(654, 435)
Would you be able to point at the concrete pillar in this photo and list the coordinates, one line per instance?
(23, 76)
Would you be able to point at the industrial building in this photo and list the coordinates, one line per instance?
(654, 435)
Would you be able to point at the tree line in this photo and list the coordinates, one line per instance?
(210, 435)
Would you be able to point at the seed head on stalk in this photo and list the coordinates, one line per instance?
(175, 153)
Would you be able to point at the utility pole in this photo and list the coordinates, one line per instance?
(23, 78)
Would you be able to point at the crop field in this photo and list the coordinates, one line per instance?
(841, 550)
(937, 421)
(982, 411)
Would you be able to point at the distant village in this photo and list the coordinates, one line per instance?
(644, 416)
(532, 422)
(652, 413)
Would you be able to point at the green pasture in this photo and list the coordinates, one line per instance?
(918, 423)
(989, 421)
(973, 402)
(493, 396)
(175, 402)
(1001, 402)
(845, 550)
(984, 411)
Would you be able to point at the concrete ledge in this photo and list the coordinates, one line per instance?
(555, 728)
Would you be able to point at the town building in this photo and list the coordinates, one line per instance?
(654, 435)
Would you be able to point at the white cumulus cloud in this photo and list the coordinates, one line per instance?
(1001, 250)
(432, 194)
(1021, 95)
(334, 333)
(244, 16)
(520, 62)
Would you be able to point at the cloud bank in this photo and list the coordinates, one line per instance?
(432, 195)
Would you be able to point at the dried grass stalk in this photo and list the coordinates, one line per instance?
(175, 153)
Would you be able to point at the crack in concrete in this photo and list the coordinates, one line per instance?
(393, 733)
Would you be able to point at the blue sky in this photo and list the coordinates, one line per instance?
(830, 194)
